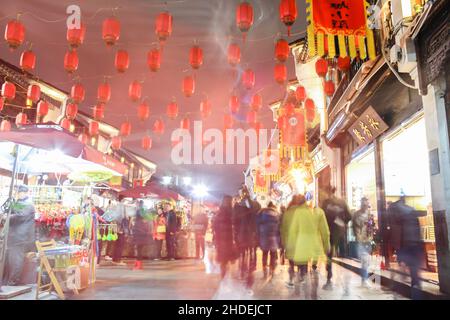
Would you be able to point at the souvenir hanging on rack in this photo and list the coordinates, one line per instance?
(346, 20)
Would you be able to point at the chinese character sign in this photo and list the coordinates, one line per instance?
(368, 127)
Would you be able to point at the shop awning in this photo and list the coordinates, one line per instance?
(151, 190)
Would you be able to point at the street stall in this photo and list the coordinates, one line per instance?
(61, 174)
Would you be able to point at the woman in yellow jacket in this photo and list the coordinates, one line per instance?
(305, 235)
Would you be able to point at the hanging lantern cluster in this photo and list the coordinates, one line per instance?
(146, 142)
(143, 111)
(329, 88)
(104, 92)
(185, 123)
(75, 36)
(196, 57)
(154, 59)
(93, 128)
(343, 63)
(248, 79)
(188, 86)
(205, 108)
(116, 143)
(288, 13)
(5, 126)
(158, 127)
(300, 94)
(135, 91)
(8, 91)
(244, 17)
(125, 129)
(321, 67)
(310, 110)
(111, 31)
(21, 119)
(42, 108)
(71, 111)
(28, 61)
(98, 112)
(172, 110)
(280, 73)
(163, 26)
(234, 104)
(281, 50)
(122, 61)
(14, 33)
(83, 138)
(71, 61)
(77, 93)
(234, 54)
(34, 93)
(66, 124)
(256, 102)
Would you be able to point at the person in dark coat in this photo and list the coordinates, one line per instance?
(268, 225)
(338, 216)
(222, 226)
(406, 238)
(140, 233)
(200, 224)
(171, 229)
(21, 237)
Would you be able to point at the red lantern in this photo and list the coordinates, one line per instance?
(125, 129)
(21, 119)
(154, 59)
(281, 50)
(310, 109)
(205, 108)
(185, 124)
(28, 61)
(146, 143)
(188, 86)
(14, 33)
(98, 112)
(111, 31)
(34, 92)
(288, 13)
(196, 57)
(251, 117)
(321, 67)
(2, 103)
(343, 63)
(282, 122)
(5, 126)
(163, 26)
(280, 73)
(65, 124)
(116, 143)
(143, 111)
(122, 61)
(234, 104)
(329, 88)
(75, 37)
(300, 94)
(71, 111)
(42, 108)
(93, 128)
(104, 92)
(172, 110)
(83, 138)
(8, 90)
(256, 102)
(248, 79)
(135, 90)
(158, 127)
(234, 54)
(228, 121)
(77, 93)
(71, 61)
(244, 17)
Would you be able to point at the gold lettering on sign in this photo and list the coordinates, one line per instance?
(359, 135)
(365, 129)
(374, 124)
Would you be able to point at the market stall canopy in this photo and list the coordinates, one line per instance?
(151, 190)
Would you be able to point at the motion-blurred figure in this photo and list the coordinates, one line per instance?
(338, 216)
(159, 231)
(171, 228)
(140, 232)
(269, 237)
(200, 223)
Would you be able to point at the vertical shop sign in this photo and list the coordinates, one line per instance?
(368, 127)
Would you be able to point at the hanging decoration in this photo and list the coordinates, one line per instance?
(261, 184)
(28, 61)
(71, 111)
(71, 61)
(14, 33)
(293, 136)
(288, 13)
(42, 108)
(185, 123)
(135, 90)
(172, 109)
(251, 117)
(205, 108)
(244, 18)
(310, 110)
(116, 143)
(77, 93)
(83, 138)
(289, 109)
(248, 79)
(300, 94)
(329, 88)
(188, 86)
(66, 124)
(122, 61)
(321, 67)
(34, 92)
(281, 50)
(5, 125)
(347, 21)
(196, 57)
(111, 31)
(75, 36)
(125, 129)
(93, 128)
(256, 102)
(146, 142)
(8, 91)
(104, 92)
(143, 111)
(234, 104)
(98, 112)
(280, 73)
(154, 59)
(343, 63)
(2, 103)
(158, 127)
(282, 122)
(228, 121)
(234, 54)
(163, 26)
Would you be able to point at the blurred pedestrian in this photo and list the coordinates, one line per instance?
(159, 230)
(338, 216)
(269, 237)
(200, 225)
(123, 231)
(406, 239)
(223, 234)
(171, 228)
(140, 235)
(363, 223)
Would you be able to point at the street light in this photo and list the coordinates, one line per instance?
(166, 180)
(187, 181)
(200, 191)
